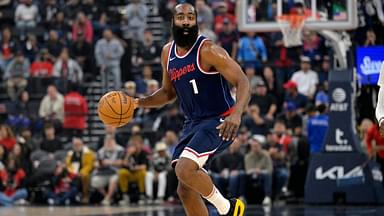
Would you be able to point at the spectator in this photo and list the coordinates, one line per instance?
(81, 50)
(110, 131)
(325, 70)
(370, 39)
(254, 79)
(228, 38)
(148, 52)
(172, 119)
(290, 117)
(60, 25)
(255, 122)
(3, 156)
(312, 46)
(277, 151)
(82, 24)
(265, 101)
(292, 95)
(171, 139)
(158, 173)
(62, 189)
(52, 106)
(50, 142)
(67, 71)
(11, 184)
(306, 79)
(135, 167)
(8, 48)
(48, 11)
(130, 88)
(205, 13)
(252, 50)
(258, 167)
(79, 161)
(7, 138)
(29, 144)
(109, 161)
(22, 113)
(92, 8)
(317, 128)
(222, 14)
(75, 112)
(16, 75)
(100, 25)
(207, 32)
(53, 44)
(43, 66)
(26, 15)
(273, 87)
(136, 16)
(230, 171)
(71, 9)
(31, 47)
(108, 53)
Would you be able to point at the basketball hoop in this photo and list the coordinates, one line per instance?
(292, 27)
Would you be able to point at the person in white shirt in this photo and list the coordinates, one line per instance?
(52, 106)
(306, 78)
(380, 101)
(26, 15)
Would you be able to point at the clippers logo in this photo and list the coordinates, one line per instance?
(176, 74)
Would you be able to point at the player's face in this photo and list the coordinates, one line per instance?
(184, 26)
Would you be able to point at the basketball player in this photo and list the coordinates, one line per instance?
(196, 71)
(380, 101)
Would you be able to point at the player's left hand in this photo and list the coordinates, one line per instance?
(228, 129)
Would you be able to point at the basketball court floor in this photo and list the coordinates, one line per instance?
(286, 210)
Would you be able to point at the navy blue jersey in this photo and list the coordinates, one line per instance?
(202, 94)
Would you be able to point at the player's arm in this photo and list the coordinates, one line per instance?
(213, 55)
(380, 102)
(166, 93)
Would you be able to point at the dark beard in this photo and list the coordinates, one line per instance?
(182, 40)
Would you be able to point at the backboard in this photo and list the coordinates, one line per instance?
(260, 15)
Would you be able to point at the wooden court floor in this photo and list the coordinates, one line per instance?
(283, 210)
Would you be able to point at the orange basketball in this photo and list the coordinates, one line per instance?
(115, 108)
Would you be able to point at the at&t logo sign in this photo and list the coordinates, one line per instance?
(339, 96)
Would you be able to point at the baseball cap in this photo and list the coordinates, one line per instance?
(290, 84)
(290, 107)
(161, 146)
(259, 138)
(305, 59)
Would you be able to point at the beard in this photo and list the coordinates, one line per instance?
(185, 40)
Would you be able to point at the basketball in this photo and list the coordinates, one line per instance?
(115, 108)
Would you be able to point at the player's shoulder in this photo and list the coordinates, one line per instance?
(211, 50)
(167, 46)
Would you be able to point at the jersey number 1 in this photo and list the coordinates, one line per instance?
(194, 86)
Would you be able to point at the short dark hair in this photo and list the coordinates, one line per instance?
(174, 9)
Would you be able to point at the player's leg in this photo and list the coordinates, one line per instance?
(192, 201)
(190, 174)
(203, 145)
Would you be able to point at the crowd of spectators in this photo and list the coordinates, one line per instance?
(55, 46)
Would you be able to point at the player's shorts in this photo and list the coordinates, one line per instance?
(200, 142)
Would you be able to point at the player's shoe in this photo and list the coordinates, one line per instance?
(237, 208)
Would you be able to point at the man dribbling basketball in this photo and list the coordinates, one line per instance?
(196, 71)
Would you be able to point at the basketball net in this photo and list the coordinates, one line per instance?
(292, 28)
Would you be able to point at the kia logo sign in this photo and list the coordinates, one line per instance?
(339, 95)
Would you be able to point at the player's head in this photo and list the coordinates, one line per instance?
(184, 25)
